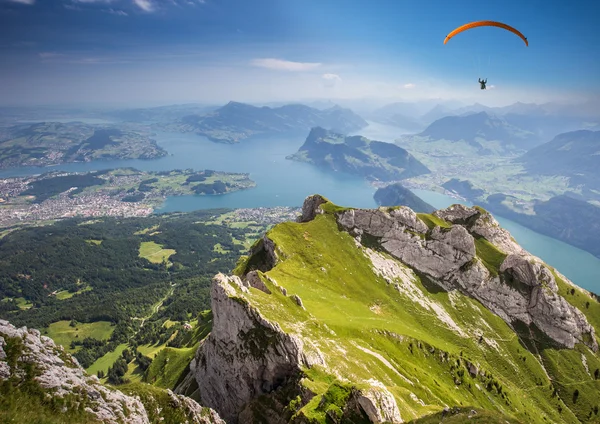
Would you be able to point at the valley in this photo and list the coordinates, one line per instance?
(146, 239)
(120, 192)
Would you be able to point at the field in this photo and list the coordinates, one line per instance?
(63, 334)
(492, 173)
(154, 252)
(107, 360)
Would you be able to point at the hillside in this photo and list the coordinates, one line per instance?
(574, 154)
(237, 121)
(573, 221)
(488, 133)
(385, 315)
(97, 286)
(53, 143)
(358, 155)
(396, 194)
(41, 383)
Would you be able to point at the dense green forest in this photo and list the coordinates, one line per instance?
(88, 271)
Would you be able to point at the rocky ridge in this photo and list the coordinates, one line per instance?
(248, 357)
(25, 354)
(524, 289)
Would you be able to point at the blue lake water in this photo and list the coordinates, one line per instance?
(281, 182)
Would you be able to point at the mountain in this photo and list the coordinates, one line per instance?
(160, 114)
(574, 154)
(463, 188)
(544, 120)
(237, 121)
(437, 112)
(385, 315)
(413, 116)
(404, 122)
(478, 130)
(565, 218)
(397, 195)
(41, 383)
(358, 155)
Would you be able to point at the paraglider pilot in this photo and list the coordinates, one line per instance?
(483, 83)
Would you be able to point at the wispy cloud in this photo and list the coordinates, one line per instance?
(285, 65)
(23, 1)
(78, 59)
(409, 85)
(92, 1)
(50, 55)
(116, 12)
(145, 5)
(491, 87)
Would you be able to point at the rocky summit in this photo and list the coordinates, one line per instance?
(387, 315)
(39, 379)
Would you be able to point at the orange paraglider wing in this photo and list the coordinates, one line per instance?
(485, 23)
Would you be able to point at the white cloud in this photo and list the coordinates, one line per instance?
(145, 5)
(23, 1)
(491, 87)
(409, 85)
(116, 12)
(285, 65)
(331, 80)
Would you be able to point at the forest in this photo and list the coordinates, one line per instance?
(89, 271)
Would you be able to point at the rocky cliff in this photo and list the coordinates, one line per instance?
(385, 315)
(36, 373)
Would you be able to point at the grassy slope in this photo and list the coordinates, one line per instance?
(63, 334)
(348, 306)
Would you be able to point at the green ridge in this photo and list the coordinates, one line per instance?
(369, 330)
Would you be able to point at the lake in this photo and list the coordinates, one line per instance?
(281, 182)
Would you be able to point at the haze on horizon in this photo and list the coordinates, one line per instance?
(214, 51)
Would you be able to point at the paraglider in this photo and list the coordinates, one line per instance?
(485, 23)
(477, 24)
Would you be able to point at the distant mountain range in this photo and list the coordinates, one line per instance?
(544, 120)
(235, 121)
(478, 128)
(358, 155)
(162, 114)
(574, 154)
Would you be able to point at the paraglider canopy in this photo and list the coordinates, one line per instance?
(485, 23)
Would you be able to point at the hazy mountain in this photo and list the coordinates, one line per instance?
(359, 156)
(160, 114)
(237, 121)
(478, 128)
(398, 195)
(574, 154)
(464, 188)
(404, 122)
(544, 120)
(437, 112)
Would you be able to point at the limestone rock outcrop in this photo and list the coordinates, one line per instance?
(60, 375)
(524, 290)
(245, 355)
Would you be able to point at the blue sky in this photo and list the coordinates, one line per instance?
(60, 51)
